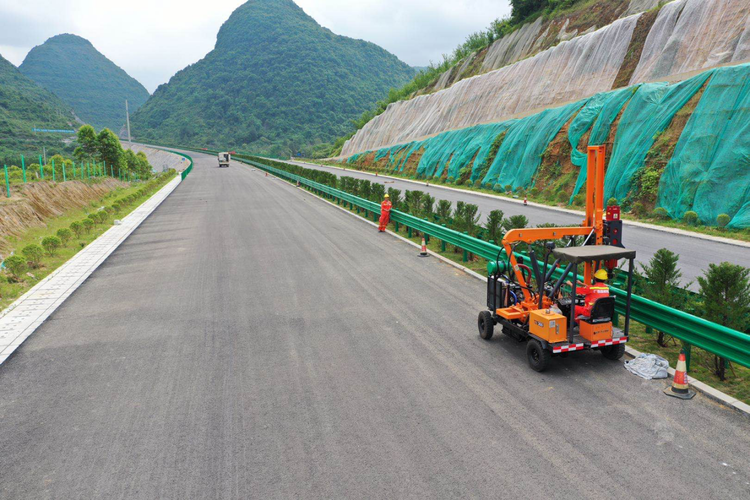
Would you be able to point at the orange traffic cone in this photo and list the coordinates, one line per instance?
(423, 252)
(680, 388)
(525, 201)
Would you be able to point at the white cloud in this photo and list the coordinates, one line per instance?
(152, 40)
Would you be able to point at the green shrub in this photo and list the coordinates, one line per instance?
(478, 183)
(88, 224)
(443, 211)
(65, 235)
(660, 213)
(508, 188)
(34, 254)
(102, 216)
(563, 197)
(722, 220)
(521, 191)
(77, 228)
(515, 222)
(725, 290)
(612, 202)
(579, 200)
(51, 244)
(690, 218)
(493, 228)
(638, 209)
(497, 188)
(534, 191)
(93, 218)
(16, 266)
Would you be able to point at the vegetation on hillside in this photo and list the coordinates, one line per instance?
(95, 87)
(24, 105)
(276, 83)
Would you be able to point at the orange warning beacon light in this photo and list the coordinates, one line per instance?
(544, 304)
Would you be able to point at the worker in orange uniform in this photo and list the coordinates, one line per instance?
(591, 293)
(385, 213)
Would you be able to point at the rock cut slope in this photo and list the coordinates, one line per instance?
(686, 36)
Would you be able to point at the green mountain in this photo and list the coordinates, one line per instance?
(94, 86)
(276, 82)
(24, 105)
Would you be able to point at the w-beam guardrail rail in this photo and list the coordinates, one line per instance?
(716, 339)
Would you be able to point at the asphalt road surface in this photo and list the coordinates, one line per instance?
(695, 253)
(252, 341)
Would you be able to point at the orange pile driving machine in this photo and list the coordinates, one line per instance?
(549, 313)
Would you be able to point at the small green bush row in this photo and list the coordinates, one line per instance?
(32, 255)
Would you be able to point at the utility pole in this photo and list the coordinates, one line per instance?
(127, 120)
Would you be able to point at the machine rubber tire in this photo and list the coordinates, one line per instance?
(486, 325)
(613, 352)
(538, 356)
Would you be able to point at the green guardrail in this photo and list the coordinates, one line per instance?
(189, 169)
(716, 339)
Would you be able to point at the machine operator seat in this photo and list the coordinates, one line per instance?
(602, 312)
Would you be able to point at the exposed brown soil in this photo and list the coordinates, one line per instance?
(32, 204)
(412, 163)
(557, 169)
(663, 148)
(444, 174)
(635, 49)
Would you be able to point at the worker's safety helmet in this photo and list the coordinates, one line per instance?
(387, 196)
(601, 275)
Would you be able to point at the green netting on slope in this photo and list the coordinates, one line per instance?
(520, 154)
(460, 147)
(598, 115)
(649, 113)
(709, 172)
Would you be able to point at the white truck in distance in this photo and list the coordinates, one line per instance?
(224, 159)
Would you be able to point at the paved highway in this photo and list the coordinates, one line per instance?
(252, 341)
(695, 253)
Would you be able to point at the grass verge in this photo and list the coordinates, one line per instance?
(128, 199)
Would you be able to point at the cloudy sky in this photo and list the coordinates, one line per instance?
(153, 39)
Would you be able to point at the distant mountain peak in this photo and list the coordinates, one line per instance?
(282, 82)
(95, 87)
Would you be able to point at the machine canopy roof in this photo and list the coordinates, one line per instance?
(593, 253)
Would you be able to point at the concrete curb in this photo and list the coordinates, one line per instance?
(682, 232)
(699, 386)
(19, 320)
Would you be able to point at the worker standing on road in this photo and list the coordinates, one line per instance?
(591, 293)
(385, 213)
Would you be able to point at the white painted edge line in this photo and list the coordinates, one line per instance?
(699, 386)
(19, 320)
(644, 225)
